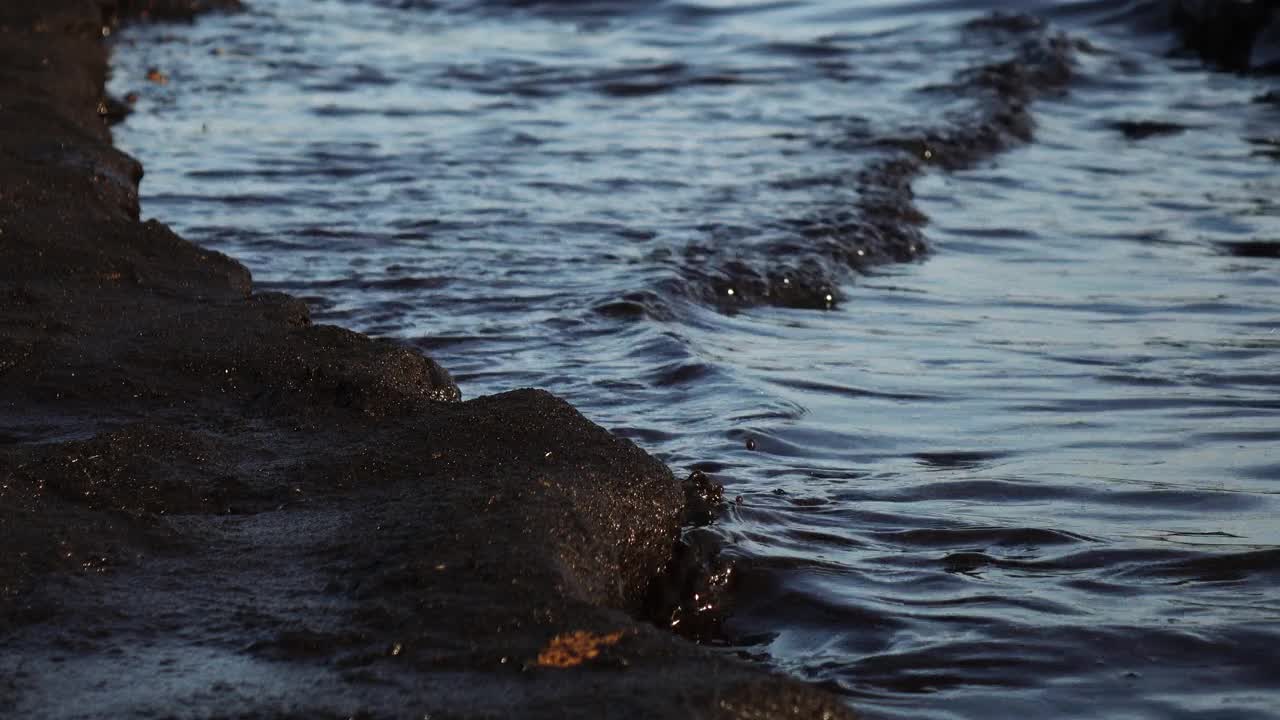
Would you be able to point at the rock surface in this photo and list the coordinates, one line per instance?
(211, 507)
(1223, 32)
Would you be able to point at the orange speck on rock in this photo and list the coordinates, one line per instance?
(572, 649)
(157, 77)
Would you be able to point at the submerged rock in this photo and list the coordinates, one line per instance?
(1143, 129)
(1223, 32)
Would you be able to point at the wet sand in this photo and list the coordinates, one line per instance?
(211, 507)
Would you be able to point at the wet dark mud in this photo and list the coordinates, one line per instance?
(212, 507)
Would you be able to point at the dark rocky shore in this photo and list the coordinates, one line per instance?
(211, 507)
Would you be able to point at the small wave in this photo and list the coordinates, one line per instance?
(1218, 567)
(804, 265)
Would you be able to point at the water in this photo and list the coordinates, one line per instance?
(1031, 469)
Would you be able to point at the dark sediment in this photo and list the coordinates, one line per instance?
(211, 507)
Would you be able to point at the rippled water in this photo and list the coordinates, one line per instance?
(1032, 469)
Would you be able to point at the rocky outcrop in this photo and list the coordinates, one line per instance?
(211, 506)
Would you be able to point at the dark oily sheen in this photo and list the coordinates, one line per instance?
(211, 506)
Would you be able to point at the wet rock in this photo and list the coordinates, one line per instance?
(167, 10)
(1252, 249)
(703, 499)
(1222, 32)
(199, 483)
(1143, 129)
(113, 111)
(692, 596)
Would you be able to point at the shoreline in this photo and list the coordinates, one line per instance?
(218, 508)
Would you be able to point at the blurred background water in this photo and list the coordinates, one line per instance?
(1019, 459)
